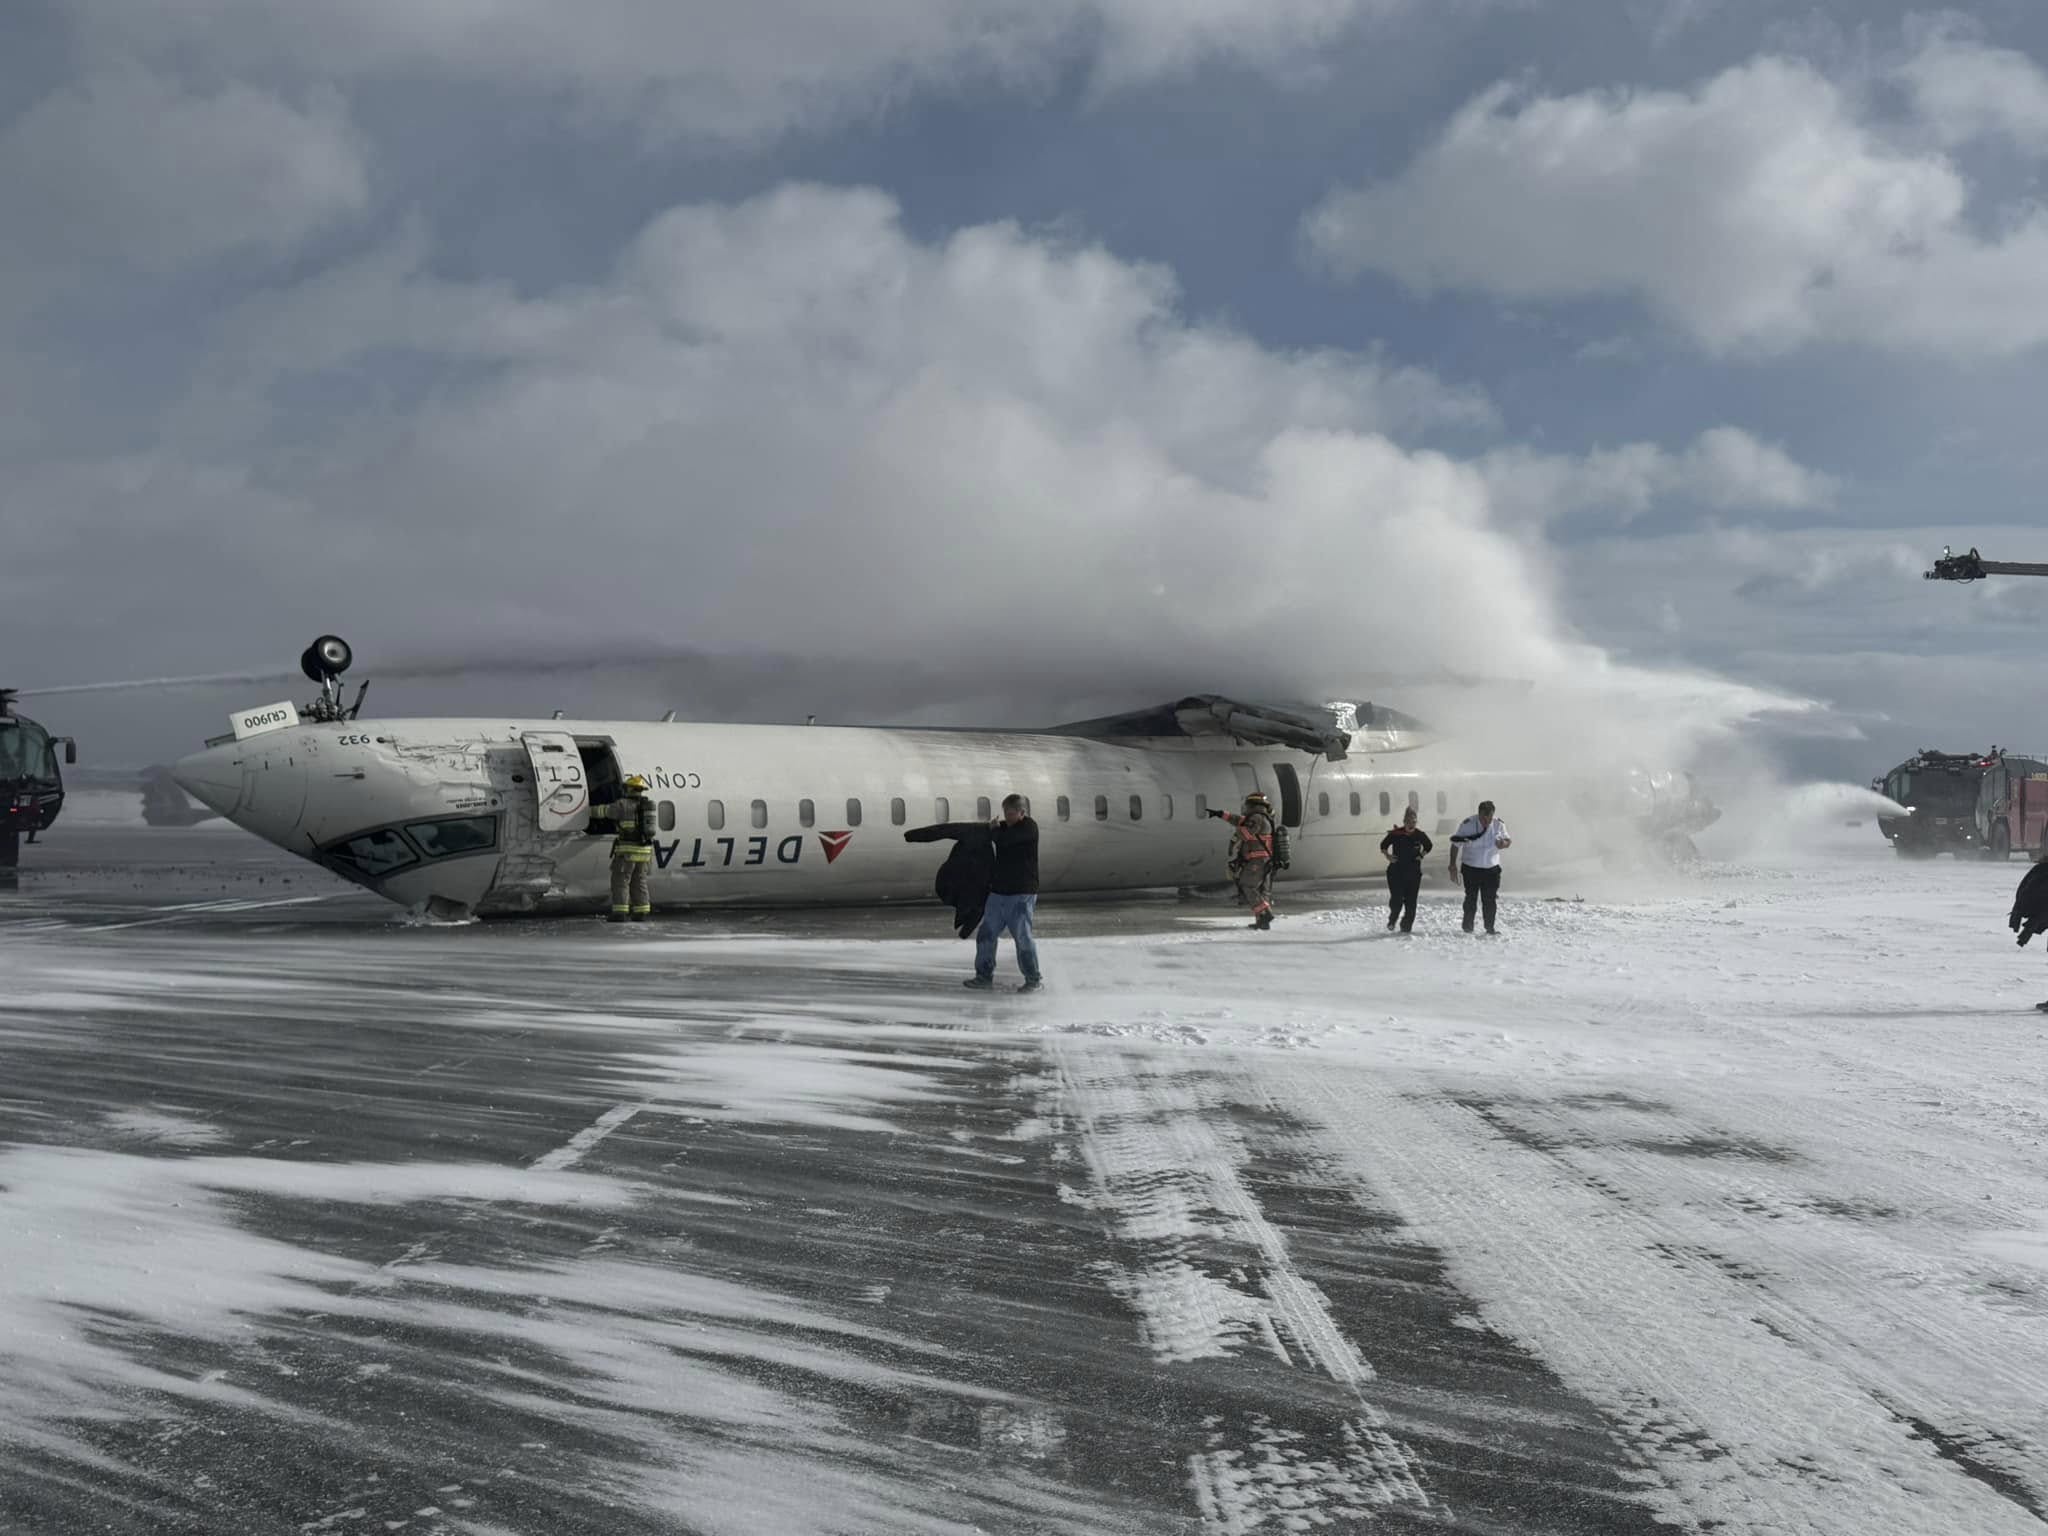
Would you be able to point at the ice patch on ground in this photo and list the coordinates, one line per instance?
(167, 1129)
(815, 1076)
(112, 1249)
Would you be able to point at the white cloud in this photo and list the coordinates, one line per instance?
(1762, 210)
(1966, 91)
(1724, 469)
(1728, 468)
(1147, 39)
(124, 171)
(734, 73)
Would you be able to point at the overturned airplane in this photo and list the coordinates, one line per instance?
(492, 816)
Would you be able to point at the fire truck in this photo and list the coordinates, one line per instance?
(31, 787)
(1941, 791)
(2012, 805)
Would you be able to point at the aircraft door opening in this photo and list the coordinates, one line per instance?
(1290, 794)
(1247, 778)
(560, 781)
(601, 769)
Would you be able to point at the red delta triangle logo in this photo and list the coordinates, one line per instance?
(834, 844)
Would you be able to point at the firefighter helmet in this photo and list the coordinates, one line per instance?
(1258, 799)
(636, 784)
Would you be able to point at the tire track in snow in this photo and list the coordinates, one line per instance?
(1914, 1328)
(1746, 1428)
(1169, 1179)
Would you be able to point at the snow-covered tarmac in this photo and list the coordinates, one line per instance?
(1719, 1206)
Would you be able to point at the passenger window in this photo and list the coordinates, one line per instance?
(942, 809)
(1386, 803)
(981, 809)
(665, 816)
(898, 813)
(1063, 808)
(1356, 804)
(1443, 802)
(714, 815)
(1201, 806)
(1102, 807)
(1414, 801)
(806, 814)
(1137, 808)
(1322, 804)
(1166, 807)
(852, 814)
(760, 813)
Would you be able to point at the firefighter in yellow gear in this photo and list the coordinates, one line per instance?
(632, 819)
(1251, 855)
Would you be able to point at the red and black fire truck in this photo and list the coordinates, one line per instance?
(1990, 803)
(2012, 805)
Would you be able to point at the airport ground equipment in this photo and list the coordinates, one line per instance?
(31, 783)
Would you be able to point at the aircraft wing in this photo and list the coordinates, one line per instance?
(1305, 728)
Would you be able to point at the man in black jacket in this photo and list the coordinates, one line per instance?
(2030, 909)
(1012, 897)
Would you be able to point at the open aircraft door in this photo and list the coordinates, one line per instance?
(559, 781)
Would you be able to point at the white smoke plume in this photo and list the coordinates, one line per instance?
(998, 477)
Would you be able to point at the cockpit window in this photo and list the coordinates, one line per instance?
(25, 751)
(460, 834)
(373, 854)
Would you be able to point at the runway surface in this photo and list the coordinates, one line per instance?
(321, 1221)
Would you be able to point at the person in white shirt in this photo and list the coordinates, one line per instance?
(1476, 848)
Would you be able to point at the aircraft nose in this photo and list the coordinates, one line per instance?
(213, 778)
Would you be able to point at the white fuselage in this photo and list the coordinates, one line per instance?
(495, 817)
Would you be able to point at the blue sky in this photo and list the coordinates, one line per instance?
(1055, 352)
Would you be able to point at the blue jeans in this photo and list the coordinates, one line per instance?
(1011, 915)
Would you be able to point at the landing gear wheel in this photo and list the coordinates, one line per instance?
(326, 658)
(1998, 846)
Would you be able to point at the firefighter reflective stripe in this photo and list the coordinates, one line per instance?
(634, 818)
(1254, 836)
(632, 869)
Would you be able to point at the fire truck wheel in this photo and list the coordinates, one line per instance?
(10, 848)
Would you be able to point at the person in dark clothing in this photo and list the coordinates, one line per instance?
(963, 880)
(1405, 847)
(2030, 909)
(1012, 897)
(1015, 837)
